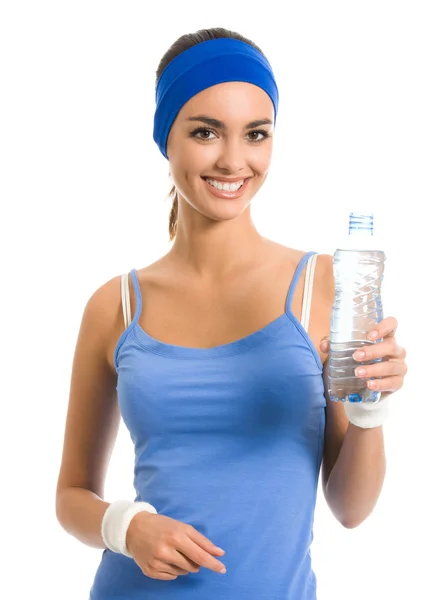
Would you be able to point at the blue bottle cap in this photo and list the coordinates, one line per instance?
(361, 223)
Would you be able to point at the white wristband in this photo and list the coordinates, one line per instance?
(116, 521)
(367, 414)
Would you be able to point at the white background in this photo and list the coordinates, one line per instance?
(83, 191)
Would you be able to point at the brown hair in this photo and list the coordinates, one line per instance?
(180, 45)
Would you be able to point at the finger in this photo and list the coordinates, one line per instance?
(163, 572)
(182, 562)
(198, 549)
(202, 541)
(387, 368)
(168, 569)
(202, 558)
(386, 328)
(387, 348)
(176, 570)
(169, 556)
(387, 384)
(172, 562)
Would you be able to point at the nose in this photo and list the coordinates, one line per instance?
(232, 156)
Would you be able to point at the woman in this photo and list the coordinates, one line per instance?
(218, 357)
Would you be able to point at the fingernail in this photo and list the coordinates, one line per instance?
(219, 549)
(360, 354)
(373, 334)
(360, 371)
(223, 570)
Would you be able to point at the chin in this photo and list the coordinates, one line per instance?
(223, 211)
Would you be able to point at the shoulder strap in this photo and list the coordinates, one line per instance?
(308, 291)
(295, 279)
(125, 299)
(308, 259)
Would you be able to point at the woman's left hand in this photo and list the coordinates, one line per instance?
(387, 375)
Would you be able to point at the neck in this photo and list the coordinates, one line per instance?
(215, 249)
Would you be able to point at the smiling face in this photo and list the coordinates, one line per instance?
(220, 147)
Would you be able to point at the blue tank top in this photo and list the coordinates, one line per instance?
(228, 439)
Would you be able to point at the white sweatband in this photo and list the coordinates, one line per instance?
(116, 521)
(367, 414)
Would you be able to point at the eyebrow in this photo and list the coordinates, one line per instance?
(220, 125)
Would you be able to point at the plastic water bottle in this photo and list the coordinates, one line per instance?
(358, 272)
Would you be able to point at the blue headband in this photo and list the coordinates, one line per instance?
(202, 66)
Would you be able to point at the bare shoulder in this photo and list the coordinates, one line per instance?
(103, 316)
(104, 309)
(104, 305)
(157, 272)
(282, 253)
(324, 272)
(294, 254)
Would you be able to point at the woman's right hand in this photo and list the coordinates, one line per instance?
(164, 548)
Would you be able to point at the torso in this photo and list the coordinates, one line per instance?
(185, 311)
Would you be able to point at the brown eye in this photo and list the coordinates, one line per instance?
(201, 134)
(263, 133)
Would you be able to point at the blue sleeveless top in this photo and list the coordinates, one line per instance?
(228, 439)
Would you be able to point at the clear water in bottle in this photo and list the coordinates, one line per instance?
(358, 272)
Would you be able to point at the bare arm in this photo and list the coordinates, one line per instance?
(354, 465)
(93, 419)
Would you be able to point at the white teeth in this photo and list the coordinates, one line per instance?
(225, 187)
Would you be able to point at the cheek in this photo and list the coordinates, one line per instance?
(260, 161)
(259, 157)
(190, 159)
